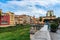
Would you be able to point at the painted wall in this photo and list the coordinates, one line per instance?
(5, 20)
(12, 19)
(0, 19)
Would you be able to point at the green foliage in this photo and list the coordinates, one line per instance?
(18, 32)
(40, 19)
(54, 26)
(58, 19)
(0, 14)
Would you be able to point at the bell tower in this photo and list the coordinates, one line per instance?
(50, 13)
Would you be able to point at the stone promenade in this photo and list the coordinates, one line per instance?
(42, 34)
(55, 36)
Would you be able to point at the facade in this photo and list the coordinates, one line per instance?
(42, 20)
(50, 13)
(6, 18)
(49, 16)
(12, 19)
(22, 19)
(34, 20)
(0, 16)
(28, 19)
(17, 19)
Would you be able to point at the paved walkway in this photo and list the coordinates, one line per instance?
(42, 34)
(55, 36)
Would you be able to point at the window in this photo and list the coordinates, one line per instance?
(12, 17)
(4, 22)
(2, 16)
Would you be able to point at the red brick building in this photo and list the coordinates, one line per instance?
(4, 19)
(0, 20)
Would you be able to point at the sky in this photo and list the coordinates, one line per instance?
(31, 7)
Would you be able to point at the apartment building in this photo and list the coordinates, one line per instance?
(6, 18)
(22, 19)
(12, 18)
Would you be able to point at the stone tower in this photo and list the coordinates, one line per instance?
(50, 13)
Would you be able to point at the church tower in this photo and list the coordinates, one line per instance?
(50, 13)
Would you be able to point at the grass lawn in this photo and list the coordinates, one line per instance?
(18, 32)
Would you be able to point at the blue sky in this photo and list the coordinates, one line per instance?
(31, 7)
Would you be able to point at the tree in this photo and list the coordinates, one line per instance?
(54, 27)
(40, 19)
(57, 20)
(0, 14)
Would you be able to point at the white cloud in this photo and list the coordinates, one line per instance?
(34, 11)
(30, 6)
(45, 2)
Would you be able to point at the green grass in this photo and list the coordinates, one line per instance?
(18, 32)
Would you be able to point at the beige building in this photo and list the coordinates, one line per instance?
(25, 19)
(49, 16)
(22, 19)
(16, 19)
(34, 20)
(12, 18)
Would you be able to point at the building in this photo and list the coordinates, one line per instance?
(9, 18)
(12, 18)
(49, 16)
(22, 19)
(41, 20)
(34, 20)
(17, 21)
(0, 16)
(6, 19)
(50, 13)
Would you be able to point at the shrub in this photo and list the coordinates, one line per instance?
(54, 27)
